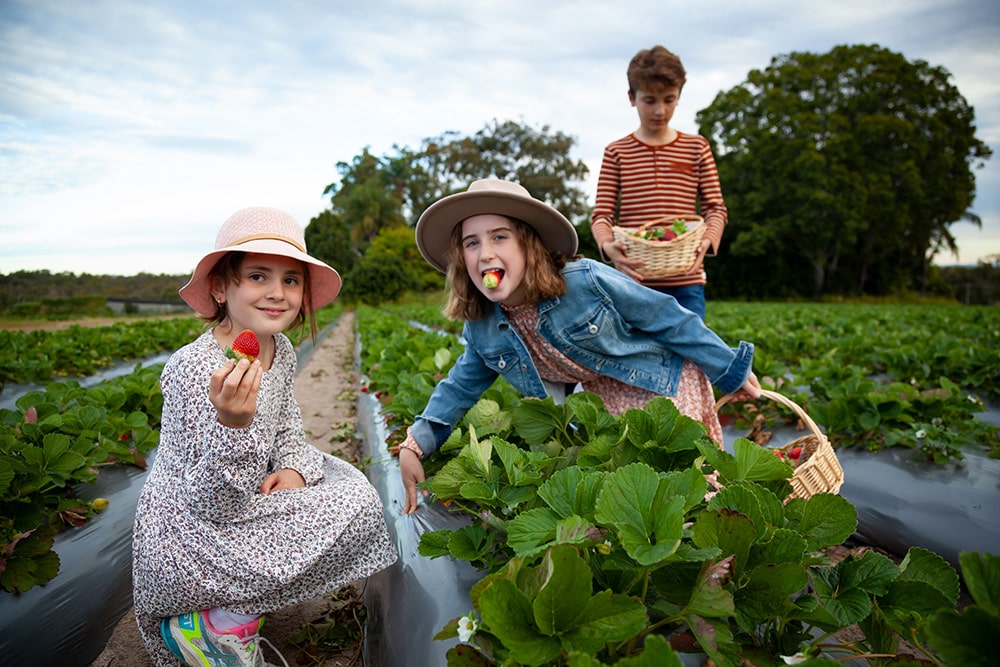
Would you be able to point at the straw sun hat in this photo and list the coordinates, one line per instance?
(485, 197)
(268, 231)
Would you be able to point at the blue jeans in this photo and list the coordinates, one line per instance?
(691, 297)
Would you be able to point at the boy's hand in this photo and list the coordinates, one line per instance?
(616, 252)
(233, 391)
(699, 259)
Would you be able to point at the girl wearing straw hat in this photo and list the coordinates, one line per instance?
(239, 515)
(541, 316)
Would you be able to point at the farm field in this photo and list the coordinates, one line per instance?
(911, 377)
(519, 511)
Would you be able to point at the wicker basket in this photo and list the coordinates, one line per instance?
(664, 258)
(818, 470)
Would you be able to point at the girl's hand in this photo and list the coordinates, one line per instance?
(615, 251)
(751, 387)
(412, 472)
(286, 478)
(233, 392)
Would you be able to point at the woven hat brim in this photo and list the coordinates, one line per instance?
(435, 226)
(324, 281)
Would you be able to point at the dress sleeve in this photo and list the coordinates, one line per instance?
(221, 467)
(290, 447)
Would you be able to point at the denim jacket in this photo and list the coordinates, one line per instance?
(605, 322)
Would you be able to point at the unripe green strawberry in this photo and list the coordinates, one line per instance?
(491, 280)
(245, 346)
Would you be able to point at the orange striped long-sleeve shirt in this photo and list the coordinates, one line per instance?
(639, 183)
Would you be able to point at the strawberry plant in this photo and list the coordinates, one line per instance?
(598, 545)
(55, 440)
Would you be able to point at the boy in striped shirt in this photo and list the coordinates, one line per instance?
(657, 171)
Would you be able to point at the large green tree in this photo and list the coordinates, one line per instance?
(378, 195)
(843, 172)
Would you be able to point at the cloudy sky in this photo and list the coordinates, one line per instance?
(129, 130)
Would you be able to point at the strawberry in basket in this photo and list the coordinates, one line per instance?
(665, 233)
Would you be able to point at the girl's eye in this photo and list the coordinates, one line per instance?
(256, 277)
(292, 281)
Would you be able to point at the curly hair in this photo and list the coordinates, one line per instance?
(542, 276)
(655, 67)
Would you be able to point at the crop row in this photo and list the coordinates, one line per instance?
(873, 376)
(78, 351)
(61, 436)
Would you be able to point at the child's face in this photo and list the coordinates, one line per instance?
(490, 244)
(656, 106)
(268, 296)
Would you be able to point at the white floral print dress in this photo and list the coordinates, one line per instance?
(204, 535)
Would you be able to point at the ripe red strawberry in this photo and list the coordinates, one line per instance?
(245, 346)
(795, 453)
(491, 280)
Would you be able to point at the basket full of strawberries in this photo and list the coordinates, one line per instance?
(667, 246)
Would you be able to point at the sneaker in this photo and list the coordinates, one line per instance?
(192, 638)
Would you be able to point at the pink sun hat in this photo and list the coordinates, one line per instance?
(268, 231)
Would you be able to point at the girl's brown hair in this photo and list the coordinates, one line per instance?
(227, 272)
(543, 276)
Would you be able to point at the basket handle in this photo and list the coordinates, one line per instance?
(784, 400)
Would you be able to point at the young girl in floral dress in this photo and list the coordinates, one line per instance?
(240, 516)
(539, 315)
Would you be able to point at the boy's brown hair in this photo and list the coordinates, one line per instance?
(543, 276)
(655, 67)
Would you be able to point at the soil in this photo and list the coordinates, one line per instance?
(326, 389)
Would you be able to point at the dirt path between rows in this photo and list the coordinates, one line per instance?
(326, 389)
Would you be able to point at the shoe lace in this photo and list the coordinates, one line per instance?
(263, 640)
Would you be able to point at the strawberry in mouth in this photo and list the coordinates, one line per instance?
(492, 278)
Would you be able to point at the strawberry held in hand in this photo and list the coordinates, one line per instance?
(491, 279)
(245, 346)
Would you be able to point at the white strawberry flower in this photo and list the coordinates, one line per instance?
(921, 434)
(795, 659)
(466, 627)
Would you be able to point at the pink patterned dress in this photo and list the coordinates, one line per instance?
(205, 536)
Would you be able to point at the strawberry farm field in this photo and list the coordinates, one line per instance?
(572, 509)
(924, 380)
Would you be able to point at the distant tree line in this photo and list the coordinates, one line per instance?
(22, 287)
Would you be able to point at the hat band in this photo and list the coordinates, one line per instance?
(269, 237)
